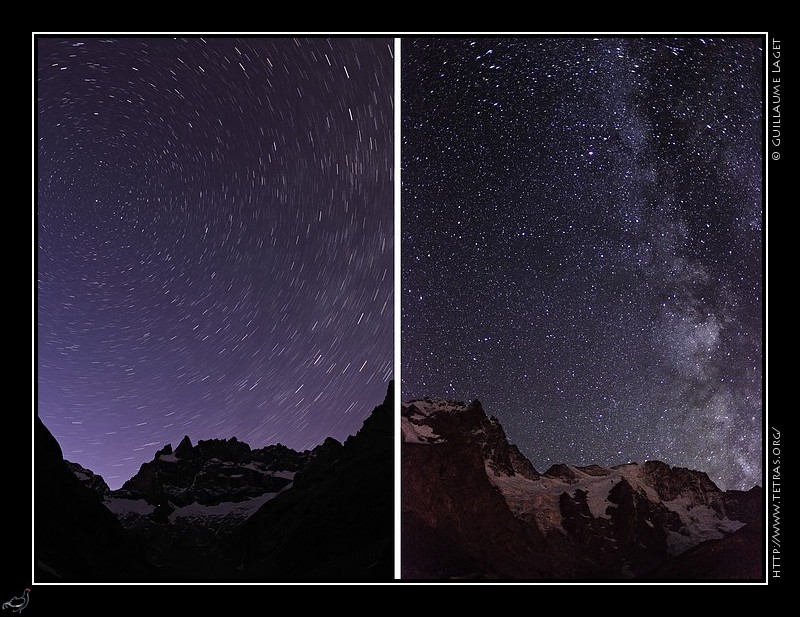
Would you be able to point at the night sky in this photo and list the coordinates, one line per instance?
(582, 244)
(215, 242)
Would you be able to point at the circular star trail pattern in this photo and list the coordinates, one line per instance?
(214, 242)
(582, 244)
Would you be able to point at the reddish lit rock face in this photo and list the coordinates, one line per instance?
(738, 556)
(455, 523)
(474, 507)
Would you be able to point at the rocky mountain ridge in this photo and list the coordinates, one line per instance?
(176, 517)
(473, 506)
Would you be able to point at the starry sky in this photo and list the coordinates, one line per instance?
(214, 238)
(582, 244)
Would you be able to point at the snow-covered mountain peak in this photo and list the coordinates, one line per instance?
(433, 406)
(623, 520)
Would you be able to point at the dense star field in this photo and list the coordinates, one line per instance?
(582, 244)
(214, 242)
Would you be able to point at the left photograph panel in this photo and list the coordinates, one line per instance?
(214, 318)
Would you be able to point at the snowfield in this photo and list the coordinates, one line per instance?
(539, 499)
(428, 407)
(418, 433)
(122, 507)
(412, 423)
(241, 509)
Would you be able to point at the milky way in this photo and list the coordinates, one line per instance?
(582, 244)
(214, 230)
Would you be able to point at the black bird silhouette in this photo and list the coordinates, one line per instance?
(17, 603)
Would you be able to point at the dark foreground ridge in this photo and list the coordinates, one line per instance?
(75, 536)
(219, 510)
(473, 507)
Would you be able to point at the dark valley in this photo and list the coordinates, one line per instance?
(221, 510)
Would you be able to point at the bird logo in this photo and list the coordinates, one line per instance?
(17, 603)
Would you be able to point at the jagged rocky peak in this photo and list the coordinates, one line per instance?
(475, 406)
(224, 449)
(432, 406)
(377, 428)
(329, 444)
(435, 421)
(278, 457)
(562, 472)
(594, 470)
(671, 482)
(88, 478)
(454, 416)
(457, 413)
(165, 451)
(184, 448)
(212, 472)
(582, 521)
(389, 398)
(337, 503)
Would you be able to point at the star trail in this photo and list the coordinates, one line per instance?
(582, 244)
(214, 241)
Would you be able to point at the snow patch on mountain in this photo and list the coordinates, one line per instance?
(700, 523)
(289, 475)
(418, 433)
(241, 509)
(123, 507)
(632, 472)
(429, 406)
(537, 499)
(540, 498)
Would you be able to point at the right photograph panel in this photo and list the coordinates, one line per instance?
(582, 306)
